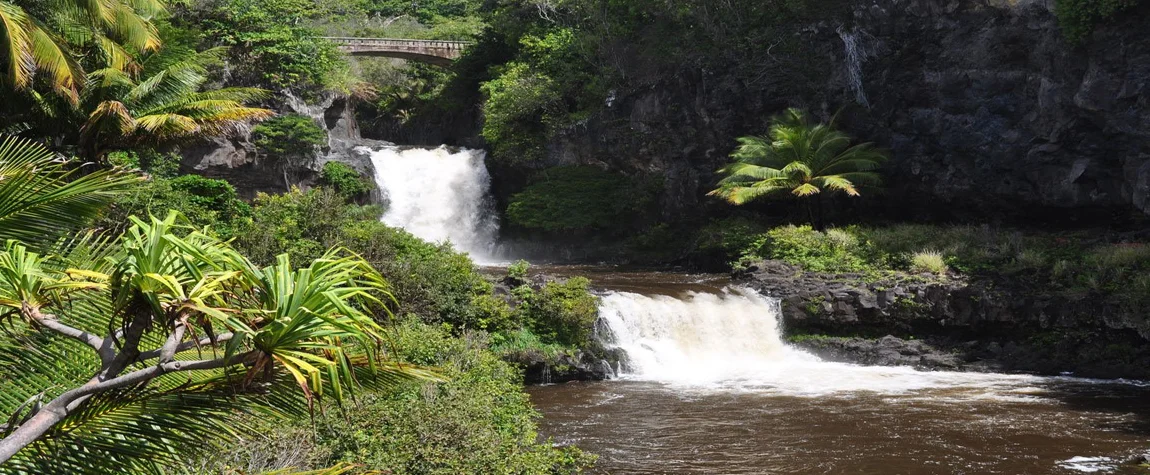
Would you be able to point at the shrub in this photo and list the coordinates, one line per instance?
(345, 180)
(429, 280)
(479, 421)
(928, 261)
(156, 164)
(560, 312)
(206, 203)
(517, 271)
(288, 136)
(519, 112)
(812, 250)
(302, 224)
(578, 199)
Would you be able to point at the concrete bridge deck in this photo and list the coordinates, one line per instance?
(437, 52)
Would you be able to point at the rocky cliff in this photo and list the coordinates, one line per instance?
(986, 108)
(236, 159)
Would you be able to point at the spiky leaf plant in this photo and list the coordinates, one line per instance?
(123, 354)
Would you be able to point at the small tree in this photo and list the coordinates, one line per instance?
(290, 140)
(170, 316)
(799, 159)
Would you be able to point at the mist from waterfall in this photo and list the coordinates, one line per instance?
(731, 341)
(439, 194)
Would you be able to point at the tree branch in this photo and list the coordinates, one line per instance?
(52, 323)
(185, 346)
(168, 351)
(55, 411)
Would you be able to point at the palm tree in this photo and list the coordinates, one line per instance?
(134, 348)
(801, 160)
(43, 196)
(163, 107)
(41, 38)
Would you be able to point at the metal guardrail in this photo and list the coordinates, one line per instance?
(398, 42)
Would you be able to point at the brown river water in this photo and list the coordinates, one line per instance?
(711, 388)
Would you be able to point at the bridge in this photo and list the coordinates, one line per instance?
(437, 52)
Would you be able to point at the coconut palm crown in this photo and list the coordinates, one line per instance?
(40, 38)
(798, 159)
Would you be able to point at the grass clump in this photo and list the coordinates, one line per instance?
(931, 262)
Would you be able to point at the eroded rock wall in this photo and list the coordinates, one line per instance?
(986, 108)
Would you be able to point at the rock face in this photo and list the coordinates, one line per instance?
(955, 324)
(983, 104)
(235, 158)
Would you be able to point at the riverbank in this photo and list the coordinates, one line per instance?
(952, 323)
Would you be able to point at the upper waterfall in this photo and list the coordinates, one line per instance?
(731, 340)
(439, 195)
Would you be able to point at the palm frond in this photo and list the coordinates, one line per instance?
(40, 198)
(798, 157)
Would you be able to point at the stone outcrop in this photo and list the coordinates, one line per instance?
(236, 159)
(950, 323)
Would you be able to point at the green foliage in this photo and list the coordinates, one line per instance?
(345, 180)
(517, 271)
(1078, 18)
(142, 413)
(831, 251)
(522, 108)
(42, 197)
(288, 136)
(169, 102)
(426, 11)
(268, 44)
(429, 280)
(798, 159)
(300, 224)
(156, 164)
(479, 421)
(560, 312)
(931, 262)
(579, 199)
(524, 345)
(1076, 264)
(206, 203)
(725, 240)
(549, 86)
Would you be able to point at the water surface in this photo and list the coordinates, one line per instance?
(1049, 426)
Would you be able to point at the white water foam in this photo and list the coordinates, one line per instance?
(1088, 464)
(439, 195)
(731, 341)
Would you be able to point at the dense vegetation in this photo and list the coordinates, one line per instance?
(475, 420)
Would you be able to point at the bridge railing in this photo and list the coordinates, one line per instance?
(398, 42)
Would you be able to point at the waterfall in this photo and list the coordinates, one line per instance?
(731, 340)
(439, 195)
(856, 56)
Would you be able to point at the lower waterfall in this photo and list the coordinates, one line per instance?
(731, 340)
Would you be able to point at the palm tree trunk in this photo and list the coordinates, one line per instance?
(810, 212)
(821, 225)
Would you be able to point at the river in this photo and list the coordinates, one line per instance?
(709, 386)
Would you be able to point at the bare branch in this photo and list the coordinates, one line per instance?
(52, 323)
(187, 345)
